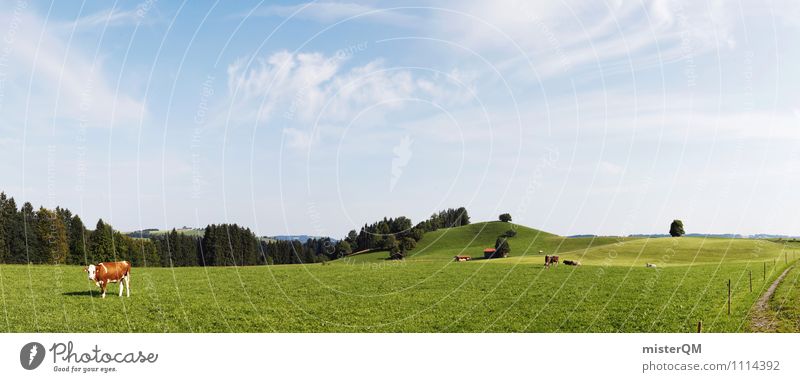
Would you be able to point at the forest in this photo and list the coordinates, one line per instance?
(44, 236)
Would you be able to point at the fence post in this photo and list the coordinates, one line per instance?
(700, 326)
(765, 271)
(751, 281)
(729, 297)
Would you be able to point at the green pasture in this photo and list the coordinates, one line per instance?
(612, 292)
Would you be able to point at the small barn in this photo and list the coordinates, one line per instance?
(462, 258)
(488, 253)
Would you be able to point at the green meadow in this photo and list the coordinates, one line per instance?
(612, 291)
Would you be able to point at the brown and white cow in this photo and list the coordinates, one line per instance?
(550, 260)
(110, 272)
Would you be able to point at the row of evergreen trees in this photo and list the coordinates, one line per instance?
(451, 217)
(398, 235)
(39, 236)
(58, 237)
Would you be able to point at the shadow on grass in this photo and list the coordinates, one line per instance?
(82, 293)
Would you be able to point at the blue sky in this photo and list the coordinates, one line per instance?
(575, 117)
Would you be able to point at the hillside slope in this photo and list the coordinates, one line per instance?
(470, 240)
(681, 251)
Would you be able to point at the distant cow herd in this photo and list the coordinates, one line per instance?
(553, 260)
(548, 260)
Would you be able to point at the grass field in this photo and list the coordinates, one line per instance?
(612, 292)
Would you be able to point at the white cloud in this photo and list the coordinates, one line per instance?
(559, 37)
(107, 18)
(303, 90)
(45, 80)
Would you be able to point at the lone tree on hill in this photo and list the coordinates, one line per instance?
(501, 247)
(676, 228)
(506, 217)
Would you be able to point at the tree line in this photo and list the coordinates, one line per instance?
(57, 236)
(398, 235)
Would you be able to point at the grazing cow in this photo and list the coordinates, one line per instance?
(550, 260)
(110, 272)
(572, 262)
(650, 265)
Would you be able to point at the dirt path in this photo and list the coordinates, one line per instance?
(760, 320)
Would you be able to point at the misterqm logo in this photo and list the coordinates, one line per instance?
(31, 355)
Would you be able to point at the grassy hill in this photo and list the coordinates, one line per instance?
(677, 251)
(470, 240)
